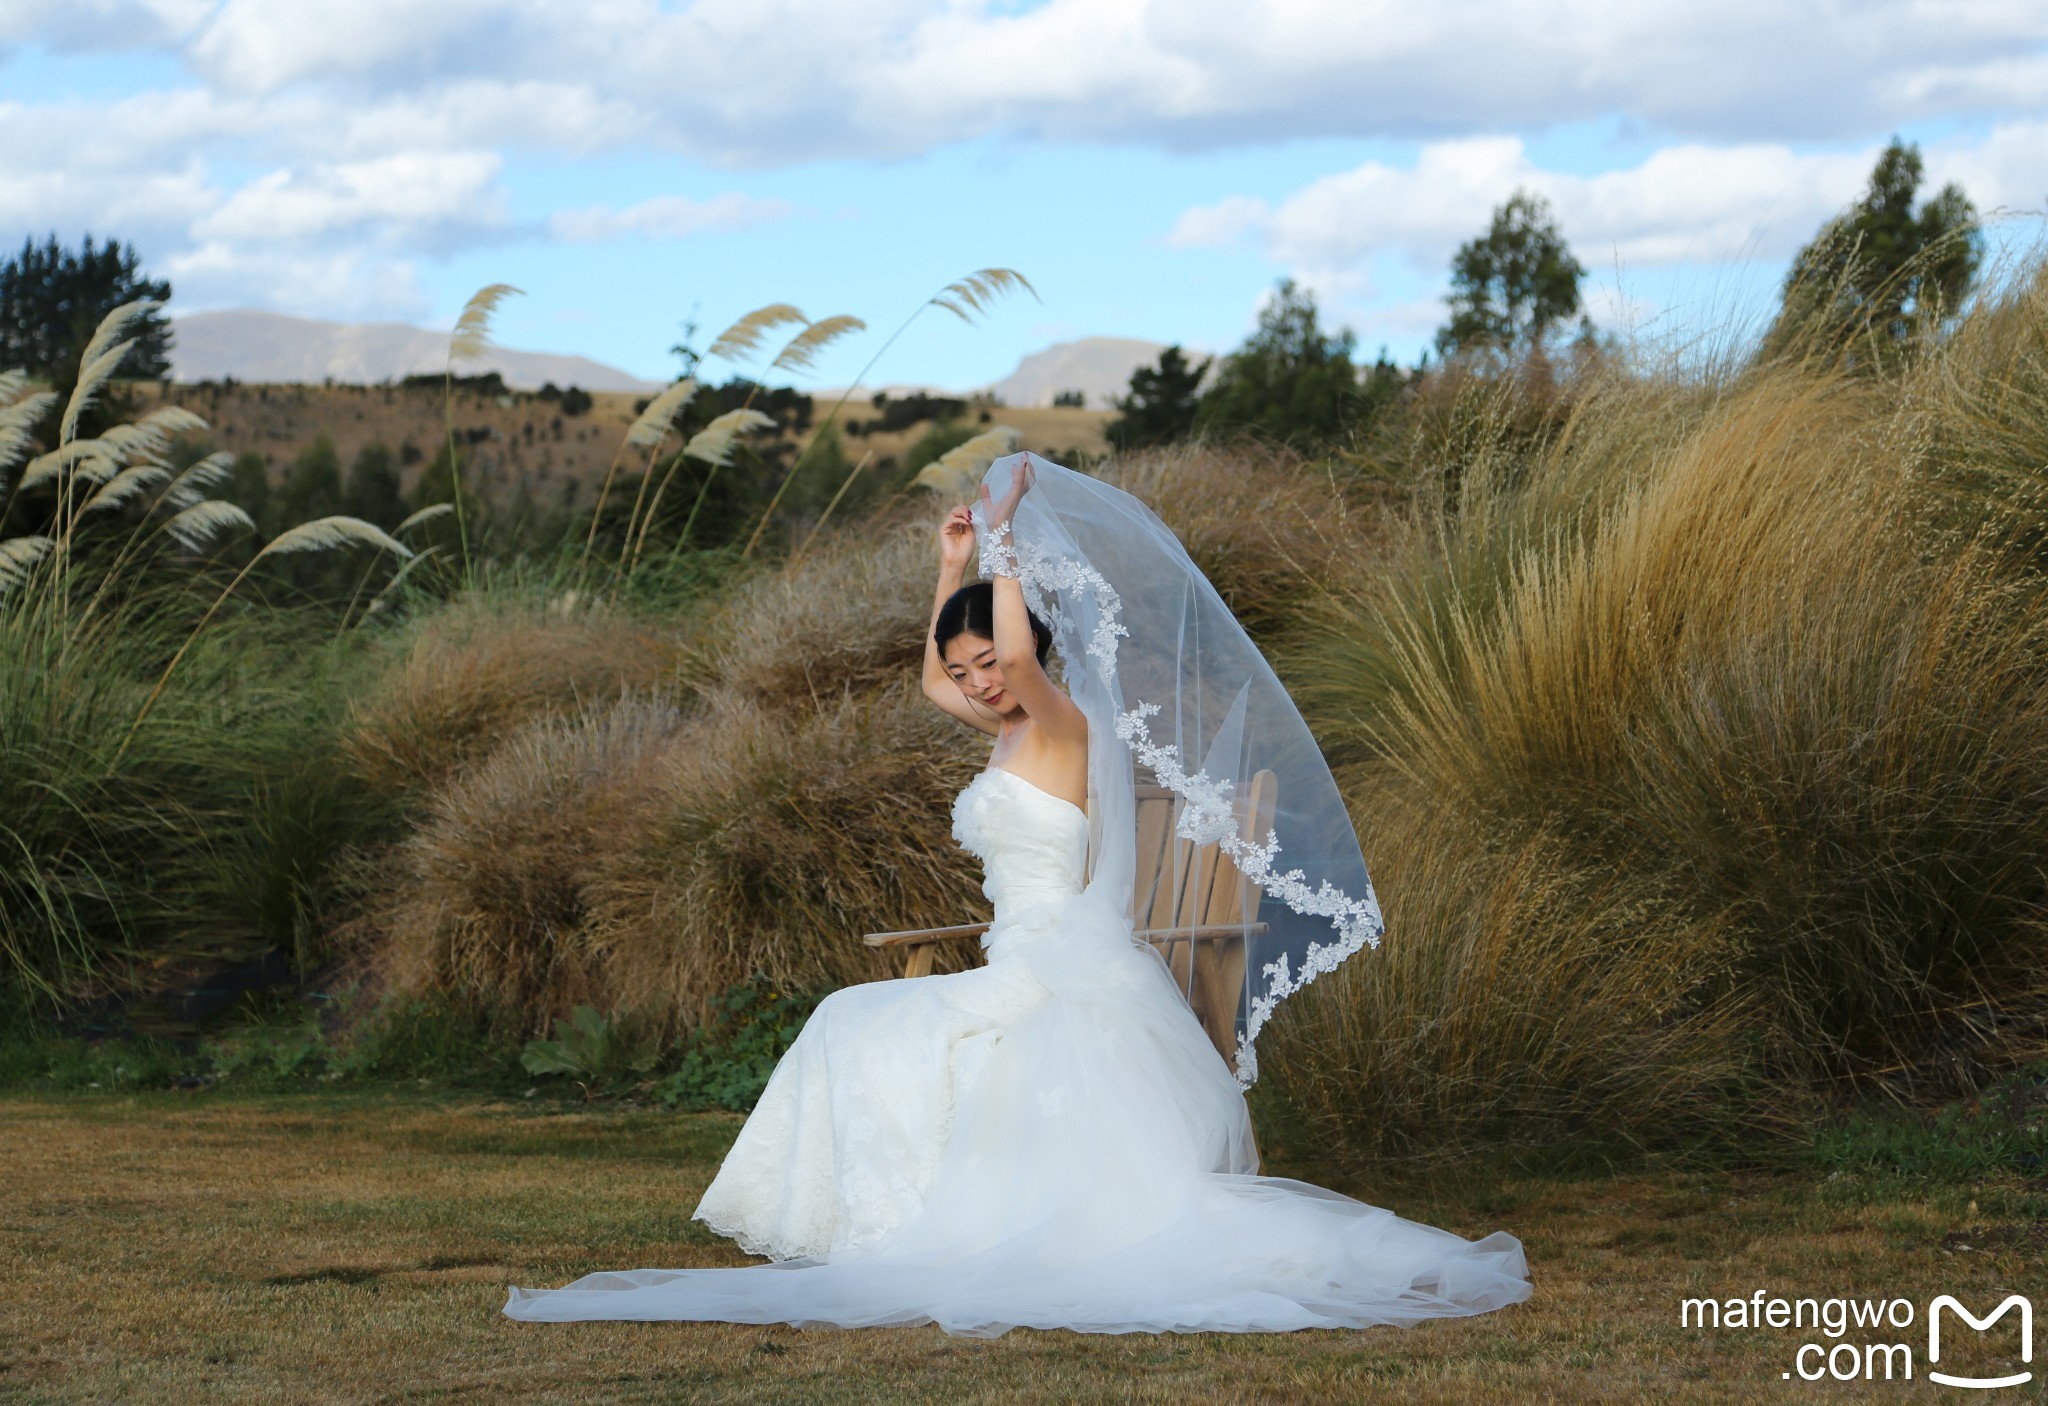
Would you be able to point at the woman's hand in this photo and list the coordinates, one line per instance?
(956, 537)
(998, 515)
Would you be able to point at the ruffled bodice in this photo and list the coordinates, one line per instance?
(1032, 845)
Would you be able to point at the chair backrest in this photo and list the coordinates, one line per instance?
(1182, 887)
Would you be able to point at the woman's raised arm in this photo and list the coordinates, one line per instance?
(956, 549)
(1057, 716)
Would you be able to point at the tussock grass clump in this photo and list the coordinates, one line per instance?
(768, 845)
(496, 881)
(1532, 999)
(848, 621)
(1778, 753)
(1265, 524)
(480, 669)
(631, 861)
(590, 856)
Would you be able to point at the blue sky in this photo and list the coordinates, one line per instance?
(1152, 165)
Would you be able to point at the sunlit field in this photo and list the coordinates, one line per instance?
(319, 1248)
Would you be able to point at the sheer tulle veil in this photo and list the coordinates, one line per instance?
(1177, 694)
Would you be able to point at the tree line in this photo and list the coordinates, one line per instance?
(1877, 279)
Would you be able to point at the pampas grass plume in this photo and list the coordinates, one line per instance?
(714, 443)
(197, 525)
(969, 297)
(472, 333)
(743, 338)
(660, 415)
(802, 352)
(954, 473)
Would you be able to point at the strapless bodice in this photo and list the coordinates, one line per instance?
(1032, 845)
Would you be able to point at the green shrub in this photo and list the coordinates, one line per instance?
(726, 1062)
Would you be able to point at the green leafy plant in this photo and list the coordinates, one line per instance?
(726, 1062)
(594, 1049)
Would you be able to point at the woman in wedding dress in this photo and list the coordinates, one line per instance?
(1051, 1140)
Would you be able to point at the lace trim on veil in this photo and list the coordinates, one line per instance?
(1208, 817)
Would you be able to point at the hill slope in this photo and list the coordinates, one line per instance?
(1098, 367)
(272, 348)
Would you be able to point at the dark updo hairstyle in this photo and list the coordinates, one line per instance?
(971, 610)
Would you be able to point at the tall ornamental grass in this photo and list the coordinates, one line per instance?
(170, 789)
(1700, 750)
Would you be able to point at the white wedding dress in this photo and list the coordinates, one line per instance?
(1046, 1141)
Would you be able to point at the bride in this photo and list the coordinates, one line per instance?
(1051, 1140)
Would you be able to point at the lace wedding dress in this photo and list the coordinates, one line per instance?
(1046, 1141)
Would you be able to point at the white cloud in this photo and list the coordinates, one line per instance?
(666, 217)
(70, 25)
(390, 125)
(123, 204)
(413, 196)
(767, 81)
(1689, 204)
(338, 283)
(261, 46)
(1218, 225)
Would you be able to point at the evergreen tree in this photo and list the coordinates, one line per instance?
(1291, 380)
(1881, 274)
(249, 487)
(312, 485)
(51, 299)
(1161, 404)
(1511, 286)
(372, 492)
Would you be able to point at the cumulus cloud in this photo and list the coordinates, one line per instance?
(393, 123)
(74, 25)
(766, 81)
(414, 197)
(1687, 204)
(666, 217)
(340, 283)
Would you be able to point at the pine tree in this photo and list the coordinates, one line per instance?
(52, 298)
(1291, 380)
(1161, 403)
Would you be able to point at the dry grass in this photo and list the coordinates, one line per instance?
(631, 857)
(848, 621)
(527, 443)
(479, 670)
(496, 881)
(1526, 998)
(1266, 526)
(178, 1249)
(1690, 758)
(769, 844)
(577, 851)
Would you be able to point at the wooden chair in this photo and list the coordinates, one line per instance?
(1189, 900)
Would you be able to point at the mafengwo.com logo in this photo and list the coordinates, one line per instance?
(1869, 1340)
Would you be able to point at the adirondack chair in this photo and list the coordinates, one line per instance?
(1189, 899)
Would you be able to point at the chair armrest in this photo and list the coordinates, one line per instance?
(1206, 933)
(917, 936)
(923, 935)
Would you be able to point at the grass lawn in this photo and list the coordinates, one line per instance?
(212, 1247)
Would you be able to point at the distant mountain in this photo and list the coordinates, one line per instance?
(1099, 367)
(268, 346)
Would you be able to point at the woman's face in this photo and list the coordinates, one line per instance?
(971, 660)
